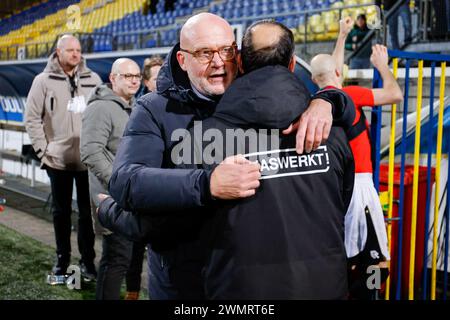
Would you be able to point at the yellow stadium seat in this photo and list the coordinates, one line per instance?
(46, 29)
(338, 4)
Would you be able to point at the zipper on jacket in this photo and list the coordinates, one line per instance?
(51, 103)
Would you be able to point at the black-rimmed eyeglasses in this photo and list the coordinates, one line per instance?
(205, 56)
(130, 76)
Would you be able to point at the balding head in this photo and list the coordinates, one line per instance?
(204, 26)
(125, 78)
(121, 65)
(265, 35)
(324, 70)
(204, 35)
(267, 43)
(65, 40)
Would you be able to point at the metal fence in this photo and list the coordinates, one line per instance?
(413, 215)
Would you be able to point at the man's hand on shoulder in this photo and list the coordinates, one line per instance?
(313, 127)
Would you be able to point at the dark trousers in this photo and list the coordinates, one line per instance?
(133, 277)
(62, 186)
(116, 255)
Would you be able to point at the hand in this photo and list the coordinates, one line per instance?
(313, 127)
(101, 197)
(346, 25)
(379, 57)
(235, 177)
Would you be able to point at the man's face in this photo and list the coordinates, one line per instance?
(151, 83)
(360, 22)
(127, 80)
(215, 77)
(69, 55)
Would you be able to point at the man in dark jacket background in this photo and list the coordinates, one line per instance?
(103, 123)
(354, 40)
(145, 180)
(287, 241)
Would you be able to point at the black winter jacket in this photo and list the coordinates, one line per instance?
(144, 180)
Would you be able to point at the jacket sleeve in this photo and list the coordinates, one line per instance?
(131, 226)
(95, 132)
(343, 108)
(34, 112)
(138, 182)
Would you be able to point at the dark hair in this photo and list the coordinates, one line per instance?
(149, 63)
(277, 54)
(361, 16)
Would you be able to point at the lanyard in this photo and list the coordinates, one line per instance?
(73, 85)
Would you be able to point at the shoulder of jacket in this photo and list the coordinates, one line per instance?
(104, 106)
(43, 76)
(48, 81)
(153, 103)
(89, 75)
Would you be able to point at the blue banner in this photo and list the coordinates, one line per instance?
(11, 109)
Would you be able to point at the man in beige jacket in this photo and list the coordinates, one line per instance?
(53, 121)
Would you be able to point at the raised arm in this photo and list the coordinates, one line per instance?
(391, 92)
(345, 26)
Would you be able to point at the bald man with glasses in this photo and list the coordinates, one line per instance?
(103, 123)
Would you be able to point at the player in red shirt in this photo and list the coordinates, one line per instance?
(365, 232)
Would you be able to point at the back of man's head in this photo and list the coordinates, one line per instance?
(324, 71)
(266, 43)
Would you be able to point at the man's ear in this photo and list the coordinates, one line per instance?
(112, 79)
(239, 63)
(181, 60)
(338, 74)
(58, 52)
(291, 66)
